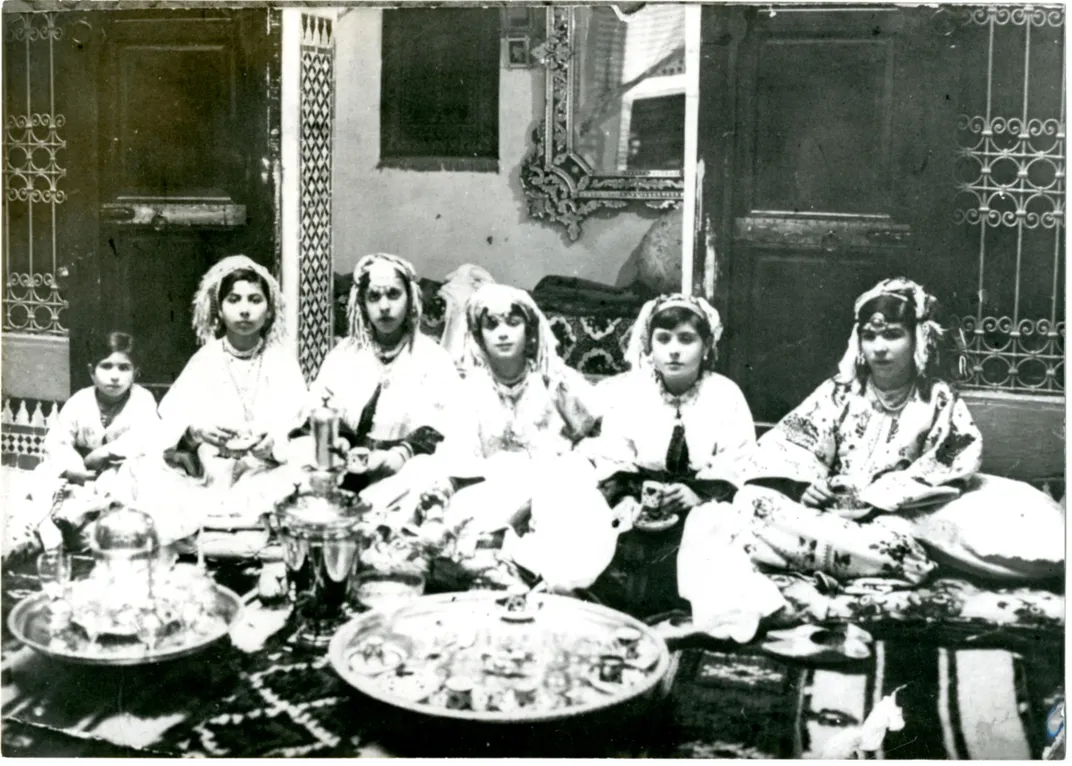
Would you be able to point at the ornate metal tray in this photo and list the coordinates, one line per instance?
(29, 623)
(485, 657)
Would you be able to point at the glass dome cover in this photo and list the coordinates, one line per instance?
(124, 532)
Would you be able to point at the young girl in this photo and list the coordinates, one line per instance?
(526, 410)
(395, 388)
(670, 435)
(672, 420)
(885, 433)
(98, 428)
(225, 420)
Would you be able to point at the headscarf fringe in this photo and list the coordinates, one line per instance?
(638, 348)
(927, 335)
(547, 362)
(361, 331)
(206, 302)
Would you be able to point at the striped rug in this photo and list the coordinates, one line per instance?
(957, 703)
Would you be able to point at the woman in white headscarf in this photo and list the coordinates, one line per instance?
(527, 410)
(225, 421)
(671, 433)
(672, 419)
(395, 388)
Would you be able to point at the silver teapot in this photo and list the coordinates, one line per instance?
(318, 528)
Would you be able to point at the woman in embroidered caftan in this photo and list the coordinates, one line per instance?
(97, 429)
(225, 420)
(527, 410)
(395, 389)
(886, 434)
(669, 439)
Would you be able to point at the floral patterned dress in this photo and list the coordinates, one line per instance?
(883, 459)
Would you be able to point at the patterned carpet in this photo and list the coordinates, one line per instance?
(982, 692)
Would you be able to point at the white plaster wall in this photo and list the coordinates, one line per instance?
(439, 220)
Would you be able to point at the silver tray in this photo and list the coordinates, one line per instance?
(28, 622)
(473, 612)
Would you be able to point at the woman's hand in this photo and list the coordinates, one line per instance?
(215, 435)
(388, 461)
(101, 458)
(79, 475)
(817, 495)
(50, 535)
(678, 498)
(263, 448)
(272, 582)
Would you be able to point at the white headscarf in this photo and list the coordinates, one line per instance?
(638, 349)
(540, 342)
(455, 292)
(361, 331)
(928, 331)
(206, 303)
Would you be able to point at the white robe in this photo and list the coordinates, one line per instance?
(79, 430)
(207, 392)
(419, 387)
(638, 425)
(234, 493)
(639, 418)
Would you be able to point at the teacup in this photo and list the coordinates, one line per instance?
(357, 460)
(651, 497)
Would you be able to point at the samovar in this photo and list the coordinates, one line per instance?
(317, 527)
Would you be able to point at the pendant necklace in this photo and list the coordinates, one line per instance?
(245, 397)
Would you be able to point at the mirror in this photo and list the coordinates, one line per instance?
(613, 132)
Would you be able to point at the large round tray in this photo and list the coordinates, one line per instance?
(550, 613)
(28, 622)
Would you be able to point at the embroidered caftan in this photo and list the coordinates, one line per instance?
(886, 460)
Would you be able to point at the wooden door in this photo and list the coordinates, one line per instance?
(823, 133)
(184, 124)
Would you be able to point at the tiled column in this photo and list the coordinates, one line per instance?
(308, 121)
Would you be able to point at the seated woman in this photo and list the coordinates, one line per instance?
(887, 432)
(395, 389)
(98, 428)
(526, 410)
(225, 420)
(669, 437)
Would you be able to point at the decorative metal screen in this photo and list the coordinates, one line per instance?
(34, 158)
(1011, 195)
(315, 320)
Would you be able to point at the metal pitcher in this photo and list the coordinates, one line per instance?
(317, 527)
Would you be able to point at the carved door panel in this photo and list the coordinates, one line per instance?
(183, 127)
(826, 129)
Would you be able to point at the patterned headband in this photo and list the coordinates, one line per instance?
(639, 346)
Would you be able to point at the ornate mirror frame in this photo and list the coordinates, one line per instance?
(560, 185)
